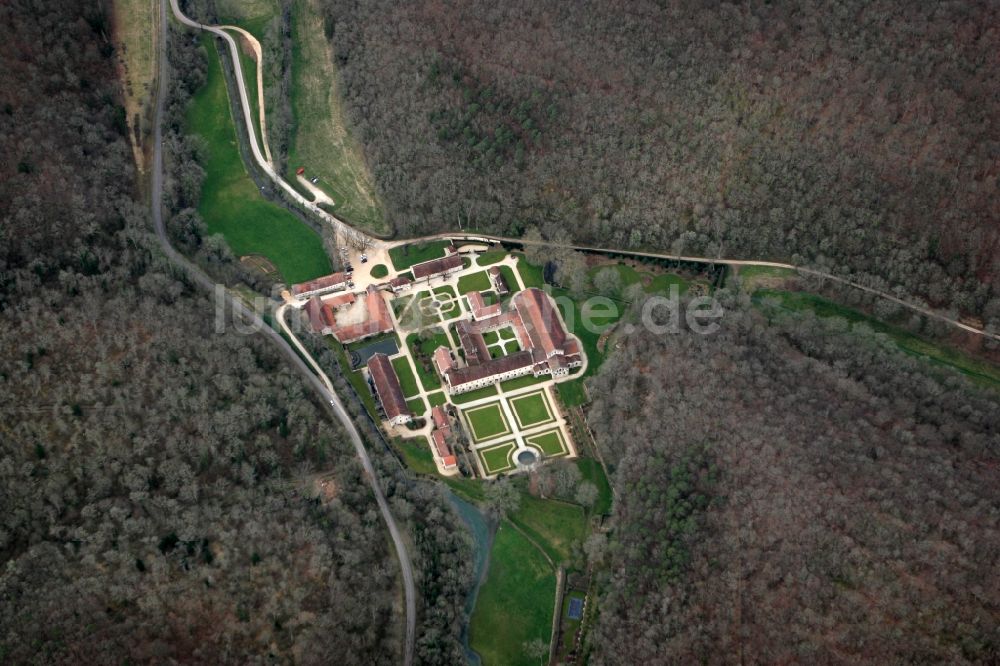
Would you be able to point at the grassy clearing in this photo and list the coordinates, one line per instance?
(485, 392)
(550, 443)
(531, 275)
(486, 421)
(515, 603)
(230, 203)
(558, 527)
(136, 31)
(379, 271)
(321, 140)
(468, 489)
(754, 277)
(407, 381)
(531, 409)
(416, 454)
(404, 256)
(980, 371)
(240, 12)
(497, 458)
(572, 393)
(437, 399)
(475, 282)
(592, 471)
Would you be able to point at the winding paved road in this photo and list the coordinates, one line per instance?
(320, 384)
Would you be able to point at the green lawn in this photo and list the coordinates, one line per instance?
(592, 471)
(475, 282)
(446, 290)
(416, 454)
(511, 347)
(422, 346)
(491, 257)
(404, 256)
(491, 337)
(531, 409)
(321, 140)
(522, 382)
(404, 371)
(515, 603)
(497, 458)
(417, 407)
(486, 391)
(438, 398)
(231, 204)
(551, 443)
(572, 393)
(559, 527)
(486, 421)
(507, 333)
(379, 271)
(531, 275)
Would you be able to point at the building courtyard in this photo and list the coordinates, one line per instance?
(477, 356)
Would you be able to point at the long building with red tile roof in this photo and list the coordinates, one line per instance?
(546, 347)
(429, 269)
(379, 320)
(388, 390)
(332, 282)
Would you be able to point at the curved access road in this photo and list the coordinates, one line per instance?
(363, 240)
(259, 56)
(319, 382)
(347, 231)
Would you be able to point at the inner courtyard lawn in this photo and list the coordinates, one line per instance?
(487, 421)
(231, 204)
(475, 282)
(407, 381)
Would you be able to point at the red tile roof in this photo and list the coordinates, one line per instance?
(439, 417)
(331, 281)
(479, 308)
(443, 360)
(379, 320)
(440, 438)
(497, 366)
(436, 266)
(390, 393)
(472, 342)
(499, 283)
(320, 315)
(340, 300)
(541, 320)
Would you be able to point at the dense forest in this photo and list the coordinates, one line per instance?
(852, 135)
(167, 492)
(795, 492)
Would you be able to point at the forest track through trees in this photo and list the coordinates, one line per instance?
(324, 387)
